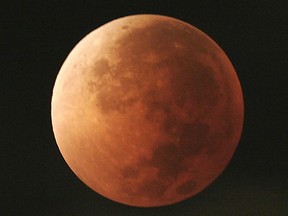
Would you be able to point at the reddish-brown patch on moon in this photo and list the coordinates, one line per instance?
(147, 110)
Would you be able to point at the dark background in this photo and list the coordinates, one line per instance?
(36, 37)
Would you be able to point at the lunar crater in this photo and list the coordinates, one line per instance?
(186, 188)
(130, 172)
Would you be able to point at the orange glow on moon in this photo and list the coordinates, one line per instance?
(147, 110)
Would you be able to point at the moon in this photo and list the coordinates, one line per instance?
(147, 110)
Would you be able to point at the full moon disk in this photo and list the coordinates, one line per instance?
(147, 110)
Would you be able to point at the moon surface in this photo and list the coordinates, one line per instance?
(147, 110)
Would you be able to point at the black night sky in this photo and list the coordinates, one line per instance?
(35, 39)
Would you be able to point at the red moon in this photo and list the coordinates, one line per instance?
(147, 110)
